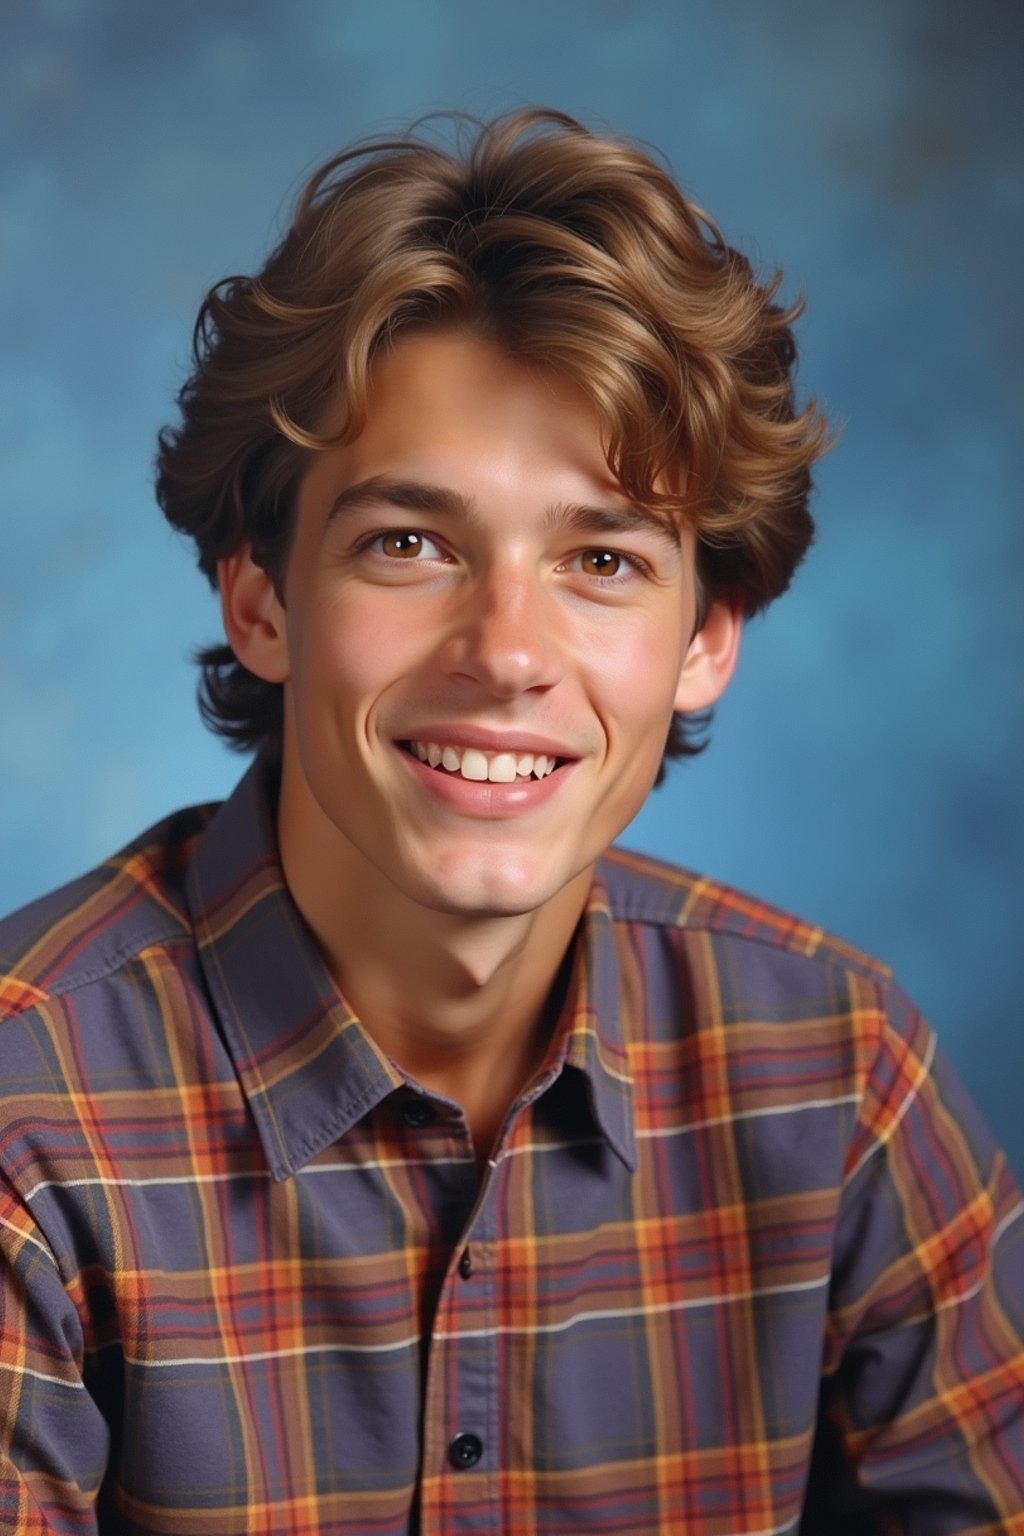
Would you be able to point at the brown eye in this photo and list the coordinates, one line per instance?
(401, 546)
(600, 562)
(405, 544)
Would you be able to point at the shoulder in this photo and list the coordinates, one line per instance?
(787, 1015)
(90, 927)
(646, 890)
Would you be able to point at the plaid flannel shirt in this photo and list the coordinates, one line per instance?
(741, 1243)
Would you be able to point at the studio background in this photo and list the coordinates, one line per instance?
(866, 767)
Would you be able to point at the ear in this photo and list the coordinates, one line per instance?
(710, 658)
(254, 618)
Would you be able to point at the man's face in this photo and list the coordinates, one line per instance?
(481, 643)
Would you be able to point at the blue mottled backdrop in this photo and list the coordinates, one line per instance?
(866, 766)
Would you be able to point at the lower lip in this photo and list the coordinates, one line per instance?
(489, 801)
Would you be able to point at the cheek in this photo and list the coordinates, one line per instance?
(351, 650)
(634, 680)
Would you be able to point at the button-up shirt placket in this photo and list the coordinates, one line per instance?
(461, 1417)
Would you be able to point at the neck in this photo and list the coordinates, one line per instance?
(463, 1004)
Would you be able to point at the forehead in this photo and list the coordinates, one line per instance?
(457, 383)
(450, 407)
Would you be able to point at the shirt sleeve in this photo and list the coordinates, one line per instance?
(53, 1437)
(924, 1368)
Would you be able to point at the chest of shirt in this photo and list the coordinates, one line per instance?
(572, 1344)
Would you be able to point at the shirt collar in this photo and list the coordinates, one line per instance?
(592, 1030)
(308, 1069)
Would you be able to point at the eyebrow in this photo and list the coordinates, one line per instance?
(419, 496)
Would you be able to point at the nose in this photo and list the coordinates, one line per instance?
(504, 636)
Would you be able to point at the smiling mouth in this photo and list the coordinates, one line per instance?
(484, 767)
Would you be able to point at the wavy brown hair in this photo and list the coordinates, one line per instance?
(570, 250)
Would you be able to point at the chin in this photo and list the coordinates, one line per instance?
(488, 892)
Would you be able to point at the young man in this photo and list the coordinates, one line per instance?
(380, 1152)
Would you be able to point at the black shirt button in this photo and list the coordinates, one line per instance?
(465, 1451)
(465, 1264)
(418, 1112)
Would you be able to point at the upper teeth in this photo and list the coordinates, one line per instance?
(498, 767)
